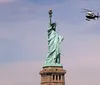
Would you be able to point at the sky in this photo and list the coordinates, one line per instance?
(23, 40)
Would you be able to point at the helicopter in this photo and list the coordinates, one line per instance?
(90, 15)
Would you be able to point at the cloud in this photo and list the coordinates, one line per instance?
(6, 1)
(20, 42)
(23, 10)
(82, 70)
(44, 2)
(23, 43)
(21, 73)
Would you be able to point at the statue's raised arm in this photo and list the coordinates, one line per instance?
(54, 40)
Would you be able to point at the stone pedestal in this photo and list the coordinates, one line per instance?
(53, 75)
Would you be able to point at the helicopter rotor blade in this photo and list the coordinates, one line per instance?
(87, 10)
(83, 11)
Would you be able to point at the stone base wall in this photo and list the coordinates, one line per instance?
(52, 76)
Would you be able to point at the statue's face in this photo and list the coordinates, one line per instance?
(54, 26)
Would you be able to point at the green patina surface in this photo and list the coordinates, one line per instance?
(54, 41)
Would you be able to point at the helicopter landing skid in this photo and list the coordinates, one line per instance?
(87, 19)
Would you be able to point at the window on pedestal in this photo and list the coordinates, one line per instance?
(53, 77)
(56, 77)
(59, 77)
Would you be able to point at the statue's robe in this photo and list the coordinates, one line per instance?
(54, 41)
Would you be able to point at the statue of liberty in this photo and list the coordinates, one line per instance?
(54, 41)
